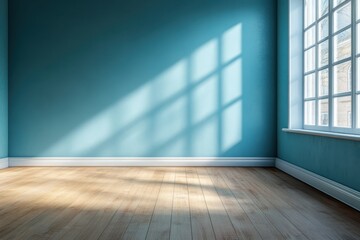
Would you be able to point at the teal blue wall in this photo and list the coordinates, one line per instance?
(336, 159)
(142, 78)
(3, 79)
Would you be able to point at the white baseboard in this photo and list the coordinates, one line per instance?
(342, 193)
(4, 163)
(145, 161)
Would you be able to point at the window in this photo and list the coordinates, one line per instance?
(331, 73)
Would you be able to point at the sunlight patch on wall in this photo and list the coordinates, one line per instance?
(105, 124)
(231, 43)
(204, 99)
(205, 138)
(232, 82)
(204, 60)
(169, 83)
(125, 114)
(174, 148)
(170, 121)
(231, 126)
(133, 140)
(192, 108)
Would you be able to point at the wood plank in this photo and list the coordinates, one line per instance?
(293, 215)
(221, 223)
(321, 200)
(317, 214)
(28, 207)
(263, 225)
(78, 227)
(86, 189)
(22, 190)
(106, 208)
(125, 212)
(40, 222)
(264, 203)
(139, 224)
(298, 216)
(181, 221)
(161, 219)
(200, 219)
(243, 226)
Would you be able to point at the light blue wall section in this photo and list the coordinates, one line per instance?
(3, 79)
(142, 78)
(336, 159)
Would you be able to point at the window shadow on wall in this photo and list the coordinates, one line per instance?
(193, 108)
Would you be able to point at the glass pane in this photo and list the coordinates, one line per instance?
(323, 82)
(309, 12)
(309, 86)
(358, 9)
(310, 36)
(342, 77)
(358, 74)
(358, 112)
(323, 28)
(342, 45)
(323, 7)
(358, 38)
(342, 17)
(310, 59)
(323, 53)
(323, 112)
(342, 112)
(337, 2)
(309, 116)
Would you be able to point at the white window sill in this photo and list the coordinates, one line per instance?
(352, 137)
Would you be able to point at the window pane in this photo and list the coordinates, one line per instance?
(309, 116)
(342, 45)
(323, 28)
(337, 2)
(309, 86)
(342, 112)
(342, 17)
(358, 74)
(309, 12)
(310, 59)
(358, 38)
(323, 7)
(358, 9)
(342, 77)
(323, 112)
(323, 53)
(358, 111)
(323, 82)
(310, 36)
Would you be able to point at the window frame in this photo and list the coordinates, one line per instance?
(330, 66)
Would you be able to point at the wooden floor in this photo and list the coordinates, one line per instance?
(167, 203)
